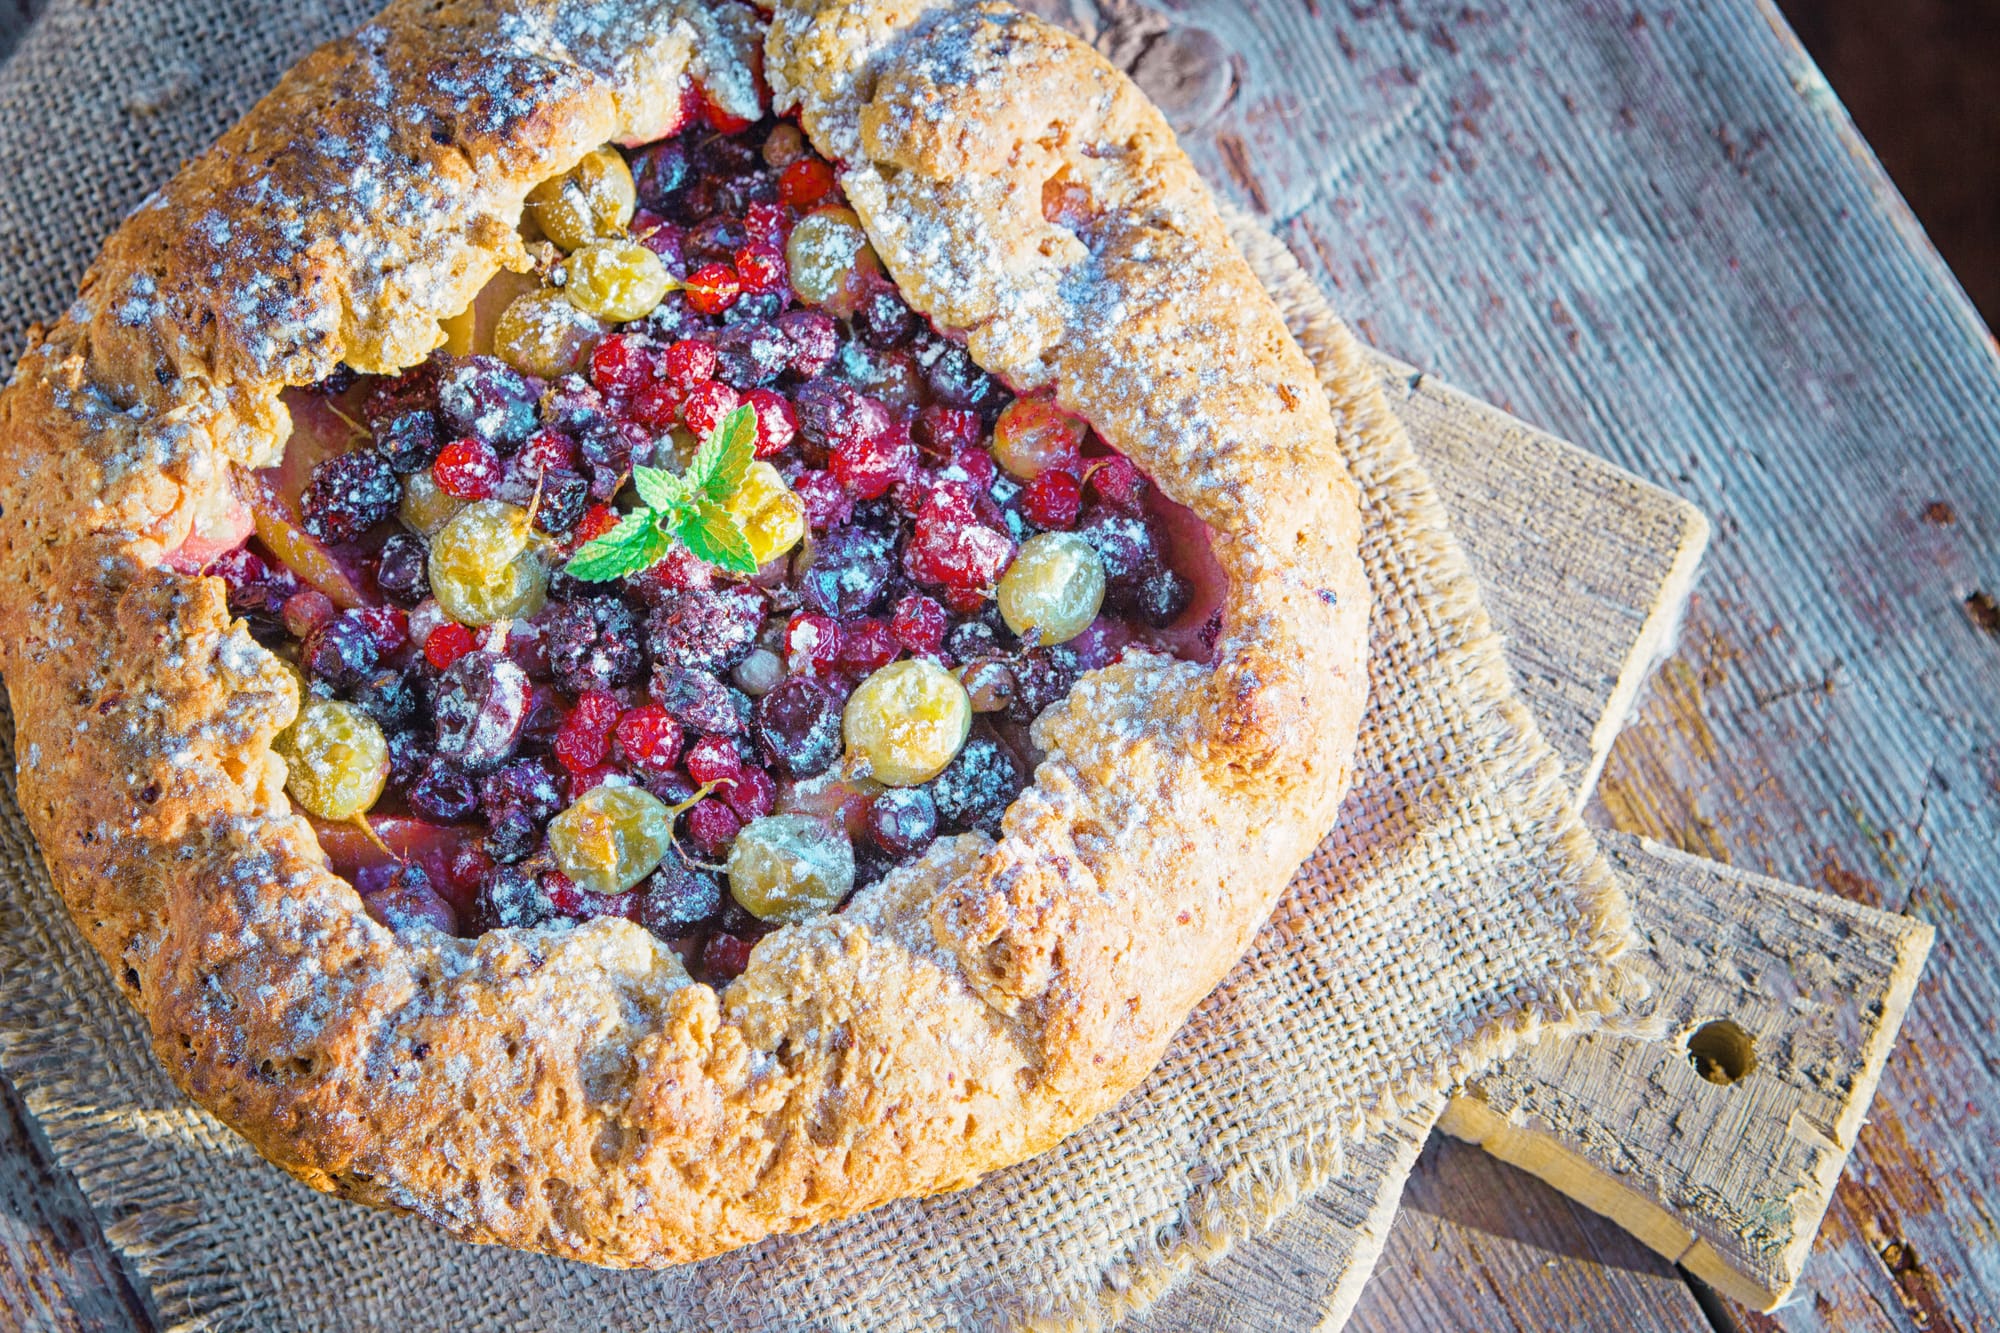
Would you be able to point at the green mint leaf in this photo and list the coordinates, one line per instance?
(710, 531)
(628, 548)
(719, 466)
(659, 488)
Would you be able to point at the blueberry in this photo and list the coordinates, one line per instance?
(443, 793)
(751, 355)
(402, 570)
(903, 821)
(342, 652)
(884, 320)
(1041, 677)
(1161, 597)
(699, 701)
(976, 788)
(512, 897)
(485, 398)
(388, 697)
(812, 339)
(592, 643)
(480, 706)
(850, 572)
(678, 898)
(797, 728)
(408, 442)
(659, 172)
(564, 498)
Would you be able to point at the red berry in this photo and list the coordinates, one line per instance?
(827, 505)
(447, 643)
(867, 645)
(812, 643)
(965, 601)
(707, 404)
(958, 555)
(777, 421)
(467, 469)
(678, 568)
(713, 825)
(656, 405)
(650, 738)
(548, 451)
(713, 288)
(307, 611)
(868, 465)
(714, 759)
(761, 266)
(621, 363)
(1052, 500)
(943, 431)
(688, 363)
(579, 783)
(766, 223)
(722, 122)
(752, 795)
(389, 626)
(805, 182)
(724, 957)
(1117, 483)
(596, 521)
(465, 870)
(918, 624)
(584, 739)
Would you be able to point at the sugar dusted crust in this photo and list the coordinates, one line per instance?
(572, 1091)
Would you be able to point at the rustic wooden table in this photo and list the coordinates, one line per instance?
(1650, 228)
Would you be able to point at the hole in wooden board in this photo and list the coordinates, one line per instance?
(1722, 1052)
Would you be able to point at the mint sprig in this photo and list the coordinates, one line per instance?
(688, 508)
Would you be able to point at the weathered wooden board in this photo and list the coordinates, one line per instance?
(1719, 1144)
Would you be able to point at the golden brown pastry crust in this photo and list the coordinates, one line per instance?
(571, 1091)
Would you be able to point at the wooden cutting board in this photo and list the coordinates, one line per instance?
(1716, 1131)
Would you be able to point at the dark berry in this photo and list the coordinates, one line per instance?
(678, 898)
(410, 901)
(480, 709)
(705, 629)
(571, 404)
(338, 381)
(725, 957)
(388, 697)
(1123, 542)
(512, 897)
(1041, 678)
(903, 821)
(885, 320)
(564, 498)
(307, 611)
(409, 754)
(529, 785)
(943, 432)
(797, 728)
(833, 414)
(699, 701)
(812, 339)
(850, 572)
(443, 793)
(1161, 597)
(971, 640)
(342, 652)
(592, 643)
(715, 239)
(415, 389)
(867, 645)
(975, 790)
(511, 835)
(485, 398)
(408, 442)
(348, 494)
(750, 355)
(659, 173)
(403, 571)
(954, 378)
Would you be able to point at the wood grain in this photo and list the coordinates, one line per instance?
(1717, 1142)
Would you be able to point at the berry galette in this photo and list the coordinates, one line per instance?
(638, 625)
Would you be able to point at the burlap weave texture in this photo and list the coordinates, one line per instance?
(1458, 907)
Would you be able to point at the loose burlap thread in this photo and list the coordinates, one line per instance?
(1458, 908)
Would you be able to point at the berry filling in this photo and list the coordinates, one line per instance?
(696, 579)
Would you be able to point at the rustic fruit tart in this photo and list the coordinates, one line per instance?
(639, 626)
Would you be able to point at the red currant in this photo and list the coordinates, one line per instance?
(1117, 483)
(656, 405)
(467, 470)
(596, 521)
(707, 404)
(812, 643)
(548, 451)
(725, 957)
(762, 268)
(447, 643)
(713, 288)
(1052, 500)
(688, 363)
(650, 738)
(722, 122)
(753, 795)
(766, 223)
(827, 505)
(806, 182)
(584, 739)
(621, 363)
(590, 778)
(389, 626)
(867, 645)
(713, 826)
(966, 557)
(918, 624)
(777, 421)
(868, 465)
(714, 759)
(943, 431)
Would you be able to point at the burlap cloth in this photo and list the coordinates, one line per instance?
(1458, 907)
